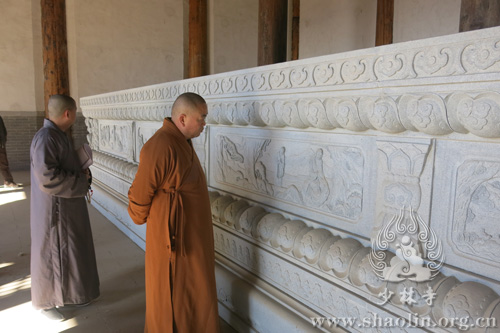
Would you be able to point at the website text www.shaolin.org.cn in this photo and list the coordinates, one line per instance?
(412, 321)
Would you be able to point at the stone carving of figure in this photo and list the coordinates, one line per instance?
(317, 190)
(261, 178)
(231, 150)
(259, 169)
(105, 135)
(280, 169)
(141, 140)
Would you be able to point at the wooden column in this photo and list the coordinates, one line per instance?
(385, 22)
(479, 14)
(295, 29)
(55, 48)
(198, 40)
(272, 31)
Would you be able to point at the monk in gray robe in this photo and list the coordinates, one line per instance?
(170, 194)
(63, 264)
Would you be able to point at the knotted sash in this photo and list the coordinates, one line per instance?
(176, 220)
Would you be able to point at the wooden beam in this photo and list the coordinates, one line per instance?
(479, 14)
(272, 31)
(385, 22)
(198, 39)
(295, 29)
(55, 48)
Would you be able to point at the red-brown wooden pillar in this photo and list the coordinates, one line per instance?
(385, 21)
(55, 48)
(272, 31)
(295, 29)
(479, 14)
(198, 39)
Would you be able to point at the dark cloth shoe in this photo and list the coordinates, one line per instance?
(81, 304)
(52, 314)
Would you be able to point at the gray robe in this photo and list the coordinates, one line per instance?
(63, 265)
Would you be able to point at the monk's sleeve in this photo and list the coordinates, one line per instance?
(148, 179)
(52, 177)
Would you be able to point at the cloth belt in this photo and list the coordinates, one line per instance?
(176, 220)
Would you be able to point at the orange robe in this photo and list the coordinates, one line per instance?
(170, 193)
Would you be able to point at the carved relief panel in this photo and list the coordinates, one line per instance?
(404, 178)
(477, 210)
(93, 132)
(115, 137)
(316, 175)
(468, 214)
(144, 130)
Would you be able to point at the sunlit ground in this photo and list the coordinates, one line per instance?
(23, 318)
(120, 265)
(8, 195)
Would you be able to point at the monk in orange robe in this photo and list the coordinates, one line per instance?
(170, 194)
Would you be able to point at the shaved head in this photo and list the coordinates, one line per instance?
(189, 113)
(186, 103)
(58, 104)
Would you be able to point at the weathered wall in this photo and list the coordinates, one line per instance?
(233, 34)
(104, 37)
(149, 38)
(20, 46)
(310, 163)
(415, 20)
(328, 27)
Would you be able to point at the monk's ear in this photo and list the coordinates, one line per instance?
(182, 119)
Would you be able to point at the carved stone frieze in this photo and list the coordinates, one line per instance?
(468, 300)
(143, 112)
(432, 114)
(124, 170)
(346, 262)
(477, 209)
(316, 156)
(475, 53)
(143, 132)
(322, 296)
(467, 206)
(116, 138)
(400, 177)
(324, 177)
(93, 132)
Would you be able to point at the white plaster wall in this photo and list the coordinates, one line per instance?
(20, 49)
(234, 32)
(418, 19)
(106, 36)
(328, 27)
